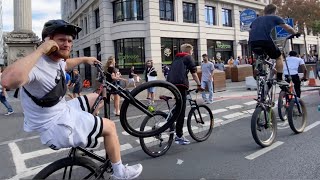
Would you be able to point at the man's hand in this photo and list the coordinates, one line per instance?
(48, 46)
(91, 60)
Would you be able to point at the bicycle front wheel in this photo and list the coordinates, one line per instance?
(158, 145)
(132, 110)
(297, 120)
(263, 126)
(69, 168)
(200, 123)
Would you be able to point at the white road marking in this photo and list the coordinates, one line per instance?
(233, 115)
(218, 111)
(263, 151)
(123, 147)
(41, 152)
(179, 161)
(29, 172)
(234, 107)
(250, 103)
(137, 129)
(18, 140)
(250, 111)
(17, 160)
(311, 126)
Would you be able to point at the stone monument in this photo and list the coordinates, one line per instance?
(22, 40)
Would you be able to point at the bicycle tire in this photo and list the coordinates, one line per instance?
(254, 126)
(281, 108)
(192, 113)
(66, 162)
(157, 83)
(291, 118)
(144, 147)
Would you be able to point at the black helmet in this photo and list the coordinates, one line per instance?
(59, 26)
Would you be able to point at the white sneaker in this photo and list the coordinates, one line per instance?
(129, 172)
(8, 113)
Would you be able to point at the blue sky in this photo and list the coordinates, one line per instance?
(42, 11)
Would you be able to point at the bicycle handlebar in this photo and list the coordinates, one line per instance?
(297, 35)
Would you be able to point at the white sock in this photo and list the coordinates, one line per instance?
(117, 168)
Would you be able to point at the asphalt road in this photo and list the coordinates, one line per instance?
(230, 152)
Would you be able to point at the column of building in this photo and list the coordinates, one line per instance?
(202, 43)
(153, 35)
(106, 20)
(236, 25)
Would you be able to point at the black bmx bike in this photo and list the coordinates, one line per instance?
(79, 163)
(200, 124)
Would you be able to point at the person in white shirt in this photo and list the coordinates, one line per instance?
(61, 123)
(207, 69)
(294, 62)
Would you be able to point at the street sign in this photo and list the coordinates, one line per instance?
(246, 18)
(280, 32)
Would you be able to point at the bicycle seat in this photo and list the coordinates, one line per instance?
(166, 98)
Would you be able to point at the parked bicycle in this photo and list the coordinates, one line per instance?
(79, 163)
(200, 123)
(263, 121)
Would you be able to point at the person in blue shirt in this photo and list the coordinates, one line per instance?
(68, 82)
(259, 36)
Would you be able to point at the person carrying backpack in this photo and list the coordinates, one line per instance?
(182, 65)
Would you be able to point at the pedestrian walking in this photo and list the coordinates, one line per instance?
(132, 75)
(3, 98)
(230, 61)
(207, 69)
(68, 83)
(76, 83)
(236, 62)
(150, 75)
(165, 71)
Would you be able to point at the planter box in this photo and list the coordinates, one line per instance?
(240, 72)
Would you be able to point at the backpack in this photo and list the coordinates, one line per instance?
(178, 72)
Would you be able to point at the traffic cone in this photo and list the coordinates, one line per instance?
(312, 80)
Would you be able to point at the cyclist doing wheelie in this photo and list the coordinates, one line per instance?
(62, 123)
(259, 37)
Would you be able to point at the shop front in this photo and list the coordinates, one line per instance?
(220, 50)
(171, 46)
(128, 53)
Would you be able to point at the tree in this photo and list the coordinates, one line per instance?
(304, 12)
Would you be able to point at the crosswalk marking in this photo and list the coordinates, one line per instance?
(250, 103)
(218, 111)
(233, 115)
(16, 155)
(234, 107)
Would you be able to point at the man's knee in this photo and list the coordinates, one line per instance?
(109, 127)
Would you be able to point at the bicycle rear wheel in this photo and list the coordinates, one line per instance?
(263, 126)
(131, 116)
(200, 123)
(297, 121)
(69, 168)
(158, 145)
(282, 106)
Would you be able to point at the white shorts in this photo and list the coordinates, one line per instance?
(77, 127)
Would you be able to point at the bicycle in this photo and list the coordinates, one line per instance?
(78, 156)
(140, 108)
(263, 117)
(288, 101)
(199, 116)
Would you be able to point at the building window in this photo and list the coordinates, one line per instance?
(97, 18)
(75, 4)
(127, 10)
(226, 17)
(87, 67)
(220, 50)
(98, 48)
(189, 12)
(130, 52)
(210, 15)
(166, 10)
(171, 46)
(86, 25)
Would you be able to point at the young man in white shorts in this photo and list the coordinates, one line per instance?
(62, 123)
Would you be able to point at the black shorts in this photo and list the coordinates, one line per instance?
(268, 46)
